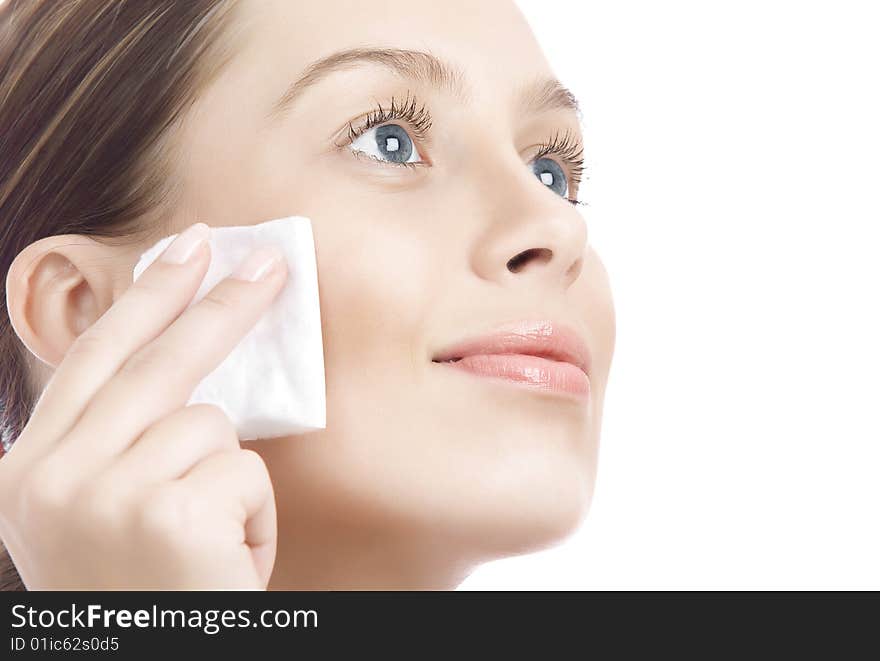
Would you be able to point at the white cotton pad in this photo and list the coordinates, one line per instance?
(272, 383)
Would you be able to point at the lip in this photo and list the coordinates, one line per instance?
(541, 354)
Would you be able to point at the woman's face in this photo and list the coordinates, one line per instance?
(417, 456)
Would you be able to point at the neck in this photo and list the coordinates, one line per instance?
(325, 559)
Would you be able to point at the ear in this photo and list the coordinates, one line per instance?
(56, 288)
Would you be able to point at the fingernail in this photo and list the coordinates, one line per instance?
(259, 264)
(186, 244)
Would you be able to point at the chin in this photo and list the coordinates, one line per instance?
(528, 511)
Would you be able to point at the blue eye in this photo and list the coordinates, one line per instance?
(389, 143)
(550, 173)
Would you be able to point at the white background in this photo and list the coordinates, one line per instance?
(734, 163)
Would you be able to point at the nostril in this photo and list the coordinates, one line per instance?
(517, 263)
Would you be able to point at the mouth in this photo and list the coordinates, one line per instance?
(541, 355)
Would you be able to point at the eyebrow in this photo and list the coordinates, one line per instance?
(544, 94)
(541, 94)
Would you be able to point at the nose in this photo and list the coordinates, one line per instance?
(533, 235)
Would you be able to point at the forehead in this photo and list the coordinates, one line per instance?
(488, 41)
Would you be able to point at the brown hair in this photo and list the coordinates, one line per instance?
(89, 93)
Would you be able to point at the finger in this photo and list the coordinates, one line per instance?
(239, 482)
(174, 445)
(137, 317)
(161, 376)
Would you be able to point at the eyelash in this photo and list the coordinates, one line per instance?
(411, 112)
(419, 119)
(571, 152)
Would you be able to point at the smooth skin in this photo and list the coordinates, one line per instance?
(422, 473)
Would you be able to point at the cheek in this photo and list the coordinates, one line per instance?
(375, 280)
(596, 295)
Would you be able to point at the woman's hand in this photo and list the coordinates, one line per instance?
(115, 482)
